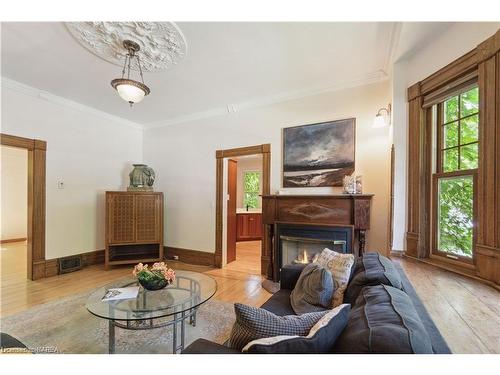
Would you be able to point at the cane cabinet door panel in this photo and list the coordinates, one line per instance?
(121, 218)
(147, 209)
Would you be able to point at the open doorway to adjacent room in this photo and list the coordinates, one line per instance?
(244, 213)
(14, 212)
(242, 178)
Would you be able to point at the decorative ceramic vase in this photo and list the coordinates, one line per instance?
(142, 178)
(154, 283)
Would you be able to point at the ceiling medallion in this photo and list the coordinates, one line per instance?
(161, 43)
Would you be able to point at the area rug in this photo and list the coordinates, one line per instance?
(66, 326)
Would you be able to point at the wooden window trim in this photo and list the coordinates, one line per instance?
(485, 59)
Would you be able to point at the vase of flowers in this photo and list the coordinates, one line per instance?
(154, 278)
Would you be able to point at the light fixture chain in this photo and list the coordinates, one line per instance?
(124, 66)
(129, 60)
(140, 69)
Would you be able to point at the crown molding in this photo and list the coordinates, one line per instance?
(392, 47)
(52, 98)
(374, 77)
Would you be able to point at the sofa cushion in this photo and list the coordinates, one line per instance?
(320, 339)
(371, 269)
(340, 266)
(254, 323)
(279, 303)
(313, 291)
(383, 320)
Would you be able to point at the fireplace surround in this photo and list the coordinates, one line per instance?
(346, 212)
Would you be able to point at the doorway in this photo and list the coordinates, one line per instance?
(242, 176)
(244, 213)
(14, 213)
(36, 265)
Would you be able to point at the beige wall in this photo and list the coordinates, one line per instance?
(14, 192)
(253, 163)
(90, 152)
(183, 156)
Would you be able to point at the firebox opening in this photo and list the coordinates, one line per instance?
(302, 250)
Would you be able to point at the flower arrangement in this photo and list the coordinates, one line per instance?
(154, 278)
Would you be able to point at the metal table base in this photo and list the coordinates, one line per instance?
(146, 324)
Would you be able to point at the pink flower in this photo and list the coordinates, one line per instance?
(138, 268)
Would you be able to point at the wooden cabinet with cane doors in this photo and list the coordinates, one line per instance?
(134, 227)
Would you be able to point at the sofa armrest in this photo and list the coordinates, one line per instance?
(289, 275)
(202, 346)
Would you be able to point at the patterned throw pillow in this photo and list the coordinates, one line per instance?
(321, 337)
(340, 267)
(253, 323)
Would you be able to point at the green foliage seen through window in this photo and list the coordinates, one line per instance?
(459, 152)
(251, 182)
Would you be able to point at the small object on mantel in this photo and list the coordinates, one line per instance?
(142, 178)
(352, 185)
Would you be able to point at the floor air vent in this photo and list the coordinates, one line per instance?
(70, 264)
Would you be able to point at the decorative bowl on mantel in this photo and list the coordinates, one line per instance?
(155, 278)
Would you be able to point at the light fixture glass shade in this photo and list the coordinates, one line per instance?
(130, 93)
(130, 90)
(380, 121)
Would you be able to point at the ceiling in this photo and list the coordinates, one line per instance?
(227, 65)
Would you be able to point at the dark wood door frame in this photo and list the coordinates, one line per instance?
(265, 150)
(37, 265)
(231, 222)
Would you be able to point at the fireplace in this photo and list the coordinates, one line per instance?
(300, 243)
(336, 221)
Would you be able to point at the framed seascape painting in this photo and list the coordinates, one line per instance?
(318, 154)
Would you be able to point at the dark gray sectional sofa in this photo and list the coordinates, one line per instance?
(386, 314)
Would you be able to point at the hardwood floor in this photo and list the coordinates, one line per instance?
(238, 282)
(466, 311)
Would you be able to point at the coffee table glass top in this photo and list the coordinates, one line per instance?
(189, 290)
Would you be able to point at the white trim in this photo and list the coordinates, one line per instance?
(45, 95)
(392, 46)
(378, 76)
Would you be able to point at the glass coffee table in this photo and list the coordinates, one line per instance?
(171, 306)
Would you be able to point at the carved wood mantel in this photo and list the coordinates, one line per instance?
(341, 209)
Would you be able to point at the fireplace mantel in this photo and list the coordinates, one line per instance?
(332, 209)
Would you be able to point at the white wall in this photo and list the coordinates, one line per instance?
(89, 152)
(183, 156)
(253, 164)
(14, 192)
(439, 52)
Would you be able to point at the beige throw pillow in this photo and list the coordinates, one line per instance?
(340, 266)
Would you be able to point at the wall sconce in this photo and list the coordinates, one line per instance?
(382, 119)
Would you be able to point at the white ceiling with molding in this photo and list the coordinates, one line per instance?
(227, 67)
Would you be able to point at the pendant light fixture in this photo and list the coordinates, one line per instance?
(128, 89)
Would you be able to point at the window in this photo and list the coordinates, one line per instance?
(459, 132)
(251, 183)
(457, 162)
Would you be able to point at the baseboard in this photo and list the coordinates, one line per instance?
(13, 240)
(92, 257)
(201, 258)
